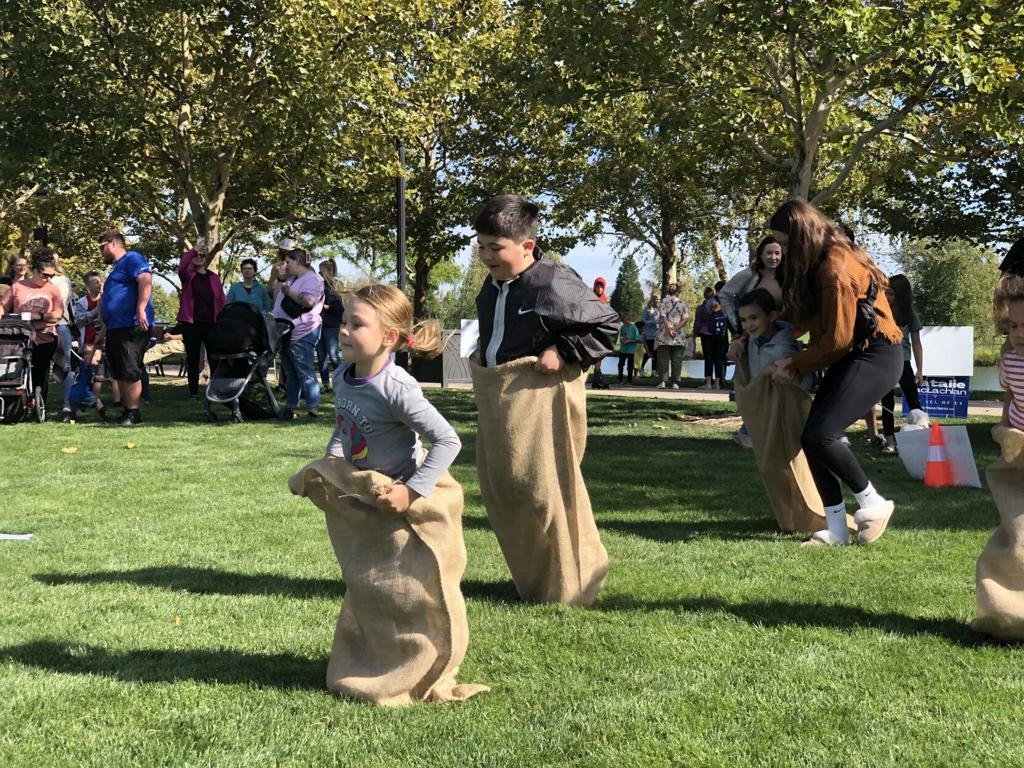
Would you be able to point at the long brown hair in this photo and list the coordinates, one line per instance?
(811, 236)
(425, 339)
(901, 300)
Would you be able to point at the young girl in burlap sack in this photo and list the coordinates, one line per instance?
(394, 515)
(999, 575)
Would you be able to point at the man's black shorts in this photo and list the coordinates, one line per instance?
(125, 350)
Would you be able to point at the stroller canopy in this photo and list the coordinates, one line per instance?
(241, 327)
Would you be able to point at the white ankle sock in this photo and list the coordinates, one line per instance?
(835, 516)
(869, 497)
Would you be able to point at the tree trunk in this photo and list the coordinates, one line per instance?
(717, 255)
(801, 174)
(421, 285)
(668, 252)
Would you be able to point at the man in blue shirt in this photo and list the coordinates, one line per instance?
(126, 313)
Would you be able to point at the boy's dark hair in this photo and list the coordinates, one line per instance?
(511, 216)
(759, 296)
(250, 262)
(91, 273)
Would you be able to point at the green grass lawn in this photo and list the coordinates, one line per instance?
(176, 607)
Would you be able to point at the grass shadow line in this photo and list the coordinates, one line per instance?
(283, 670)
(780, 613)
(204, 581)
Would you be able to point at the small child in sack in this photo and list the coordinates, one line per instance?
(999, 576)
(85, 392)
(766, 339)
(393, 514)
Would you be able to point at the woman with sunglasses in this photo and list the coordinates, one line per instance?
(202, 299)
(39, 299)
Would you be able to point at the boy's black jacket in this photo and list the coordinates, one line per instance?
(547, 304)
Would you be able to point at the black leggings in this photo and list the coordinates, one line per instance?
(850, 387)
(626, 361)
(42, 357)
(195, 336)
(714, 347)
(908, 383)
(650, 353)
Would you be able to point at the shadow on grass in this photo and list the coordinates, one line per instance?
(682, 530)
(282, 670)
(204, 581)
(779, 613)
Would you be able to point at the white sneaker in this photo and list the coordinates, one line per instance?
(706, 386)
(675, 386)
(661, 385)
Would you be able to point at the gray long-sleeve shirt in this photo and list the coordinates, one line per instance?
(378, 422)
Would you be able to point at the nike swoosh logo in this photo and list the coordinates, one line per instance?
(524, 311)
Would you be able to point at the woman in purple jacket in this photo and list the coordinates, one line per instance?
(202, 299)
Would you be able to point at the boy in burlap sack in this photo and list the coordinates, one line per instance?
(999, 575)
(774, 413)
(540, 327)
(394, 516)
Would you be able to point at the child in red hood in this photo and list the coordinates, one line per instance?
(598, 382)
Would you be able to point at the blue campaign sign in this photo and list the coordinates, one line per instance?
(944, 397)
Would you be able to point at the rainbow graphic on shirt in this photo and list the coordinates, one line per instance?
(359, 448)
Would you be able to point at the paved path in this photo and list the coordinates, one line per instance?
(975, 407)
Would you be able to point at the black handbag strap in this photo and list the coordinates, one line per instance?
(872, 293)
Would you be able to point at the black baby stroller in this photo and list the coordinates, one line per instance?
(19, 395)
(242, 346)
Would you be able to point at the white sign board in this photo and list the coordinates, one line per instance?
(948, 350)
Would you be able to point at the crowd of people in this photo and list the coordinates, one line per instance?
(106, 335)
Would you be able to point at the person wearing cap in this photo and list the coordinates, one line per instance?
(300, 299)
(202, 299)
(126, 314)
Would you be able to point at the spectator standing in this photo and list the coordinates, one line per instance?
(38, 297)
(650, 318)
(249, 290)
(901, 299)
(765, 271)
(126, 314)
(674, 315)
(628, 338)
(202, 299)
(327, 353)
(87, 309)
(600, 291)
(710, 326)
(17, 269)
(300, 300)
(63, 363)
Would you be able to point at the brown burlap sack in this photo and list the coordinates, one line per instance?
(402, 631)
(999, 574)
(775, 413)
(531, 435)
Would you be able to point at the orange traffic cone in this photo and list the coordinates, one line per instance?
(939, 472)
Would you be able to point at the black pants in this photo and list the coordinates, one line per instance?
(626, 360)
(650, 353)
(194, 335)
(714, 347)
(42, 357)
(908, 383)
(850, 387)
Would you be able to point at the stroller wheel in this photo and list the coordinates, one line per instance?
(40, 405)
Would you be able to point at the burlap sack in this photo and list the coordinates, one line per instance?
(530, 441)
(774, 413)
(999, 574)
(402, 631)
